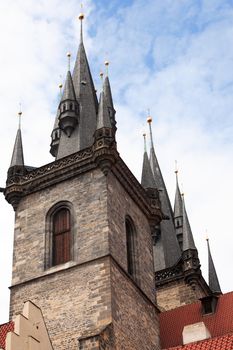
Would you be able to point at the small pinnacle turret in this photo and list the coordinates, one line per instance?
(188, 241)
(108, 96)
(147, 180)
(166, 251)
(103, 120)
(17, 155)
(69, 108)
(213, 278)
(16, 170)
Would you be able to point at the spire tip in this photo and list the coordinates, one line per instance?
(20, 115)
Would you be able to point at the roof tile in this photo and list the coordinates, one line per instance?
(4, 329)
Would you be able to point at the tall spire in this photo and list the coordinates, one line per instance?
(213, 278)
(178, 207)
(17, 156)
(86, 96)
(76, 119)
(169, 244)
(147, 180)
(178, 212)
(188, 241)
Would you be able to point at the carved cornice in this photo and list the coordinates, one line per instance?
(168, 275)
(102, 154)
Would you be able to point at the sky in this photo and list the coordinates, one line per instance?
(174, 57)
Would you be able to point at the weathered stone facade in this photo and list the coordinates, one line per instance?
(93, 291)
(177, 293)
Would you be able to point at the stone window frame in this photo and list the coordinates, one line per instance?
(48, 260)
(131, 240)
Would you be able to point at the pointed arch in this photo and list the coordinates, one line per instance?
(59, 238)
(131, 248)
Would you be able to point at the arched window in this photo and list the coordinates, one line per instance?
(131, 246)
(61, 236)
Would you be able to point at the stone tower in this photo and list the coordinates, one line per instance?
(82, 244)
(178, 276)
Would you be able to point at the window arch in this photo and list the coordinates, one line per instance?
(61, 233)
(131, 247)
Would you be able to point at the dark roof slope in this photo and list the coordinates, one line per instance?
(219, 323)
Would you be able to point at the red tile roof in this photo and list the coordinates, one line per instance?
(224, 342)
(172, 322)
(4, 329)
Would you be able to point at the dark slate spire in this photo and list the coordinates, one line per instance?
(68, 93)
(213, 278)
(167, 249)
(178, 207)
(78, 108)
(17, 156)
(188, 241)
(86, 96)
(69, 109)
(178, 213)
(108, 96)
(147, 180)
(103, 120)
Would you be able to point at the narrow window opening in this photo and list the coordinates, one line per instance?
(131, 248)
(61, 237)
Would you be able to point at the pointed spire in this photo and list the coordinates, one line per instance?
(213, 278)
(68, 92)
(170, 245)
(103, 120)
(147, 180)
(68, 107)
(86, 96)
(17, 156)
(188, 241)
(178, 207)
(108, 96)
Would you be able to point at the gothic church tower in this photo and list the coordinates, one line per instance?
(82, 244)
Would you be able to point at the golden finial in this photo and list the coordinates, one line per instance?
(102, 77)
(176, 167)
(81, 15)
(68, 56)
(20, 115)
(149, 118)
(106, 63)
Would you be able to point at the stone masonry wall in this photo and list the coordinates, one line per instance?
(75, 302)
(177, 293)
(120, 204)
(87, 195)
(135, 317)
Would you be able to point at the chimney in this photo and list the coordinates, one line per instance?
(195, 332)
